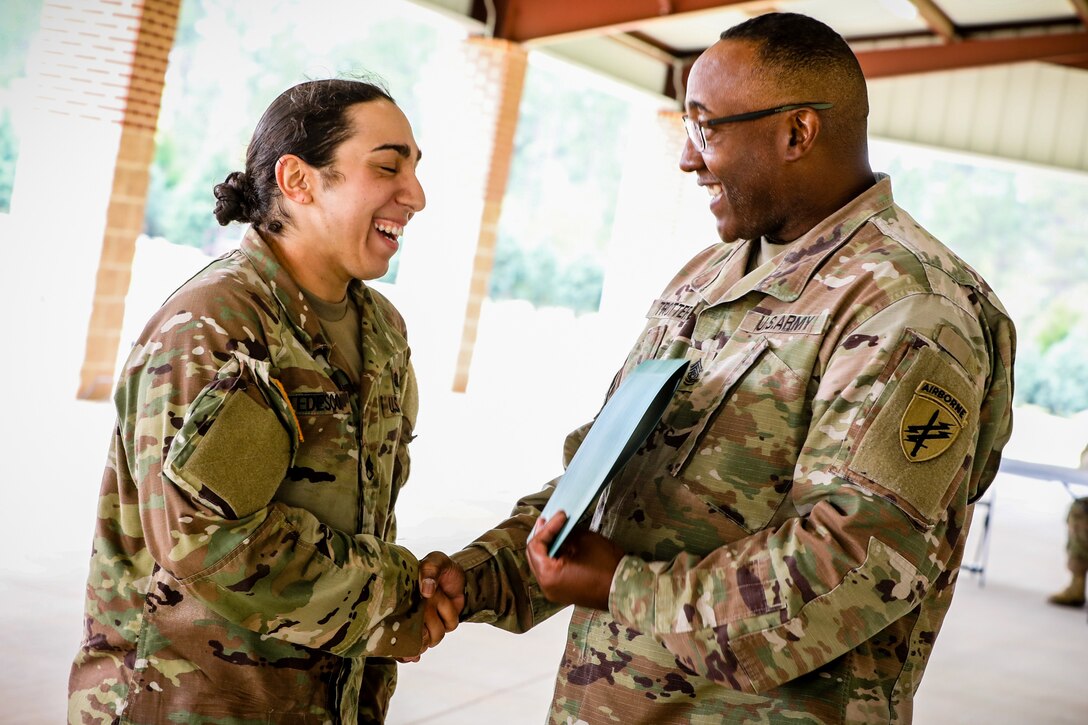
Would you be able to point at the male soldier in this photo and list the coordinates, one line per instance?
(1076, 547)
(785, 544)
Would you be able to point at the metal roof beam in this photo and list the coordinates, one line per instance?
(1063, 48)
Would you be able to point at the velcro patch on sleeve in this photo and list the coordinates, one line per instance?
(243, 456)
(914, 441)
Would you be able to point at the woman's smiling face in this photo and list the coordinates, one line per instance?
(362, 202)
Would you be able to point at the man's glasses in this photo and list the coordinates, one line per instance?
(697, 134)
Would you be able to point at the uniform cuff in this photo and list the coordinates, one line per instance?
(631, 599)
(474, 560)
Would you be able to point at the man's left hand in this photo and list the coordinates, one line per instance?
(582, 573)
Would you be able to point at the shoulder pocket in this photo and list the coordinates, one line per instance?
(236, 442)
(914, 440)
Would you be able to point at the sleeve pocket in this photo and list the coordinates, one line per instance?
(233, 449)
(916, 440)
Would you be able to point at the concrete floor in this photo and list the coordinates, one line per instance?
(1004, 655)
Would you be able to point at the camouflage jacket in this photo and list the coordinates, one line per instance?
(795, 524)
(243, 568)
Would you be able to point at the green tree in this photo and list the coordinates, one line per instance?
(9, 149)
(567, 156)
(20, 23)
(21, 20)
(225, 69)
(1024, 230)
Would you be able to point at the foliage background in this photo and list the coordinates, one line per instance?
(1025, 229)
(17, 29)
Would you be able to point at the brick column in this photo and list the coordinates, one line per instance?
(498, 70)
(96, 72)
(468, 100)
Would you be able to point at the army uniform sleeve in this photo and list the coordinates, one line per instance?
(902, 422)
(212, 435)
(500, 589)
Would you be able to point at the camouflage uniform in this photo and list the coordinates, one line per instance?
(795, 524)
(243, 568)
(1077, 543)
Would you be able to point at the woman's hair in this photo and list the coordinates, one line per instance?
(308, 120)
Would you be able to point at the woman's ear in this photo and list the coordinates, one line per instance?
(293, 176)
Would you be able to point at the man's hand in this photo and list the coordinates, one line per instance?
(438, 572)
(582, 573)
(442, 584)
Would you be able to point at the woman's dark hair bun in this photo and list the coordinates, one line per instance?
(234, 199)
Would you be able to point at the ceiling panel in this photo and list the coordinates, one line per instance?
(861, 19)
(694, 31)
(995, 12)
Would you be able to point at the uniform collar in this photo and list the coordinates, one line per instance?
(786, 279)
(285, 290)
(383, 341)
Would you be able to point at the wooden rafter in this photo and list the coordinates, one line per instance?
(1081, 6)
(1068, 49)
(937, 19)
(1063, 48)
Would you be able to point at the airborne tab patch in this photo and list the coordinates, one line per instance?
(931, 422)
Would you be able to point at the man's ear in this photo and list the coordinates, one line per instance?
(803, 129)
(294, 177)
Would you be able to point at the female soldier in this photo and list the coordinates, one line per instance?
(243, 566)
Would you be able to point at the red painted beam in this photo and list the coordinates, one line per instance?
(1068, 49)
(1064, 48)
(527, 20)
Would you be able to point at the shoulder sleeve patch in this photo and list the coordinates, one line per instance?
(931, 423)
(916, 440)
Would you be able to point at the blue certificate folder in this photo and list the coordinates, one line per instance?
(621, 427)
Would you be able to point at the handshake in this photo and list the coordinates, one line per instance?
(442, 585)
(581, 575)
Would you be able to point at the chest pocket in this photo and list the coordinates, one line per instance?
(738, 429)
(382, 416)
(383, 466)
(324, 476)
